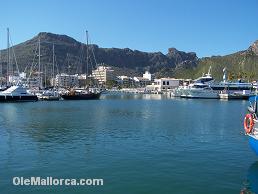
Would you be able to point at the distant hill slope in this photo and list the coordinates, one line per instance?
(71, 56)
(243, 64)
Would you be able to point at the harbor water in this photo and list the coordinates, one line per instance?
(136, 143)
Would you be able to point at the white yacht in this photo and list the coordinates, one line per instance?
(199, 92)
(17, 93)
(206, 87)
(201, 88)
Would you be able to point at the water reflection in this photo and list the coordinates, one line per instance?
(174, 138)
(250, 185)
(126, 96)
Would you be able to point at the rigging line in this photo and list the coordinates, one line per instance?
(33, 62)
(81, 59)
(57, 70)
(28, 63)
(15, 59)
(96, 65)
(93, 54)
(32, 65)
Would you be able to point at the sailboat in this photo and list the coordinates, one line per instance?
(14, 93)
(51, 95)
(82, 94)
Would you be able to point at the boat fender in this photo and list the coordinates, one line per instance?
(248, 123)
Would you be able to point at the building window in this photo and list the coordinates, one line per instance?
(167, 82)
(164, 83)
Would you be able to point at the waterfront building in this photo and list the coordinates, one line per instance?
(13, 79)
(103, 74)
(125, 81)
(163, 85)
(66, 80)
(148, 75)
(31, 82)
(141, 81)
(82, 80)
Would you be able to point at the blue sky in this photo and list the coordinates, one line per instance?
(207, 27)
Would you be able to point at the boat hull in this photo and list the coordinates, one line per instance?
(253, 142)
(252, 177)
(90, 96)
(234, 96)
(50, 98)
(9, 98)
(199, 93)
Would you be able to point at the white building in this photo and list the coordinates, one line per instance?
(103, 74)
(31, 82)
(15, 79)
(163, 85)
(82, 76)
(125, 80)
(148, 75)
(141, 81)
(66, 80)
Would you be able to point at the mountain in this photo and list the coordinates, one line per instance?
(253, 49)
(242, 64)
(71, 56)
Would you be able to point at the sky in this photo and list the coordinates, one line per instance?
(207, 27)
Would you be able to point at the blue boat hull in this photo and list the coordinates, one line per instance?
(252, 179)
(254, 144)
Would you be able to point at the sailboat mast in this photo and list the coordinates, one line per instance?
(45, 85)
(39, 74)
(8, 57)
(1, 68)
(53, 68)
(87, 52)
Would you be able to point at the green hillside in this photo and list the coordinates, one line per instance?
(242, 65)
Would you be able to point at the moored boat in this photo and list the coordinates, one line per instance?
(86, 93)
(251, 124)
(50, 95)
(206, 87)
(17, 94)
(195, 92)
(235, 95)
(81, 95)
(201, 88)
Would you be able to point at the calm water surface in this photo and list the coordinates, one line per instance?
(137, 144)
